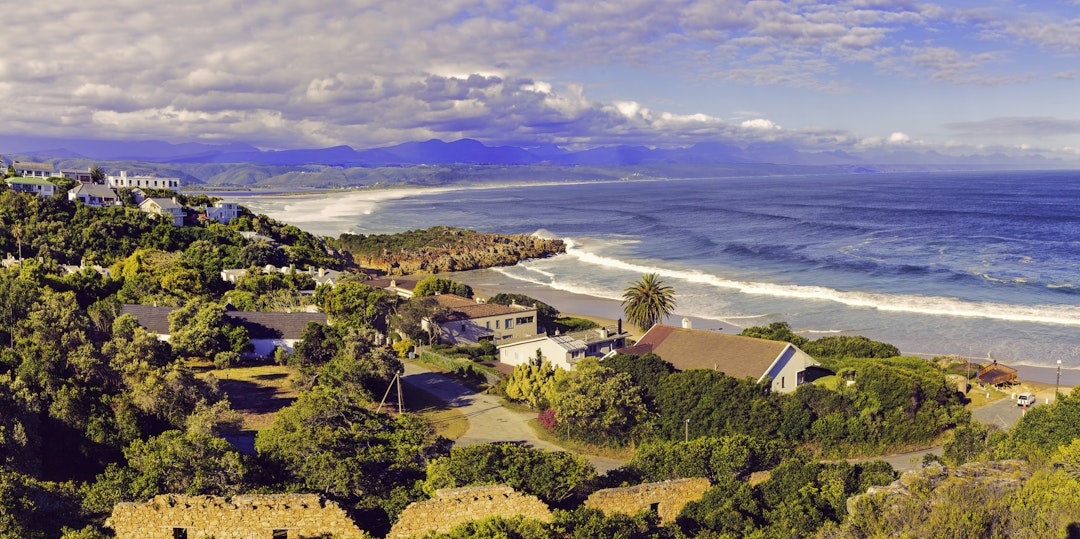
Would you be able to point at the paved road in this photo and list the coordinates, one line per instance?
(489, 421)
(1003, 413)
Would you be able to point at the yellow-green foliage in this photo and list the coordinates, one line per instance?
(532, 384)
(403, 347)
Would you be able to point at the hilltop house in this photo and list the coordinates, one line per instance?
(401, 287)
(141, 181)
(36, 185)
(223, 212)
(266, 330)
(93, 194)
(29, 169)
(566, 350)
(320, 276)
(734, 355)
(469, 321)
(83, 176)
(166, 207)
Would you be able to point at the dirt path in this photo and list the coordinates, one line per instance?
(489, 421)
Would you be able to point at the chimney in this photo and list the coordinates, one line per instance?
(393, 283)
(620, 326)
(322, 272)
(603, 333)
(686, 324)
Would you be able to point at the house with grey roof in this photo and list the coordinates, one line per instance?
(734, 355)
(30, 169)
(34, 185)
(168, 208)
(469, 321)
(267, 331)
(564, 350)
(93, 194)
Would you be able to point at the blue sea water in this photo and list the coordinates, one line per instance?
(936, 263)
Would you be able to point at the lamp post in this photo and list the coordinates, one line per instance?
(1057, 385)
(687, 431)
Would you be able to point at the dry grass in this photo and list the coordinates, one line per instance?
(257, 392)
(448, 422)
(581, 448)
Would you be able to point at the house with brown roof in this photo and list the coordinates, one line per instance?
(267, 331)
(470, 321)
(734, 355)
(564, 350)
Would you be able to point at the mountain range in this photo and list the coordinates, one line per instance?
(468, 151)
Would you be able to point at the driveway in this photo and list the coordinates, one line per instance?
(489, 421)
(1004, 413)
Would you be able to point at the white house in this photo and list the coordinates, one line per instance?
(167, 207)
(223, 212)
(563, 350)
(471, 321)
(142, 181)
(93, 194)
(29, 169)
(734, 355)
(267, 331)
(36, 185)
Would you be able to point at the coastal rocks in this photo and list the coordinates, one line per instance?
(443, 249)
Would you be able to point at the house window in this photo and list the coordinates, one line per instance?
(781, 382)
(487, 324)
(280, 534)
(179, 533)
(509, 323)
(496, 324)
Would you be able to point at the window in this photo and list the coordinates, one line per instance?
(487, 324)
(496, 324)
(654, 508)
(509, 323)
(179, 533)
(280, 534)
(525, 320)
(781, 382)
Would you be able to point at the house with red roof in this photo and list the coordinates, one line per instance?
(469, 321)
(734, 355)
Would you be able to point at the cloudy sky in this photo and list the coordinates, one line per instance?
(959, 76)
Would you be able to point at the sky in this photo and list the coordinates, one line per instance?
(849, 75)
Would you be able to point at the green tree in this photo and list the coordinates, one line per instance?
(329, 441)
(776, 331)
(648, 301)
(97, 175)
(429, 286)
(597, 404)
(173, 462)
(531, 383)
(552, 476)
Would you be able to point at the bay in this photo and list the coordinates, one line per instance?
(970, 263)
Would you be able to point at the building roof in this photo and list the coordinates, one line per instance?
(468, 309)
(163, 203)
(30, 165)
(259, 325)
(94, 189)
(600, 334)
(30, 180)
(685, 349)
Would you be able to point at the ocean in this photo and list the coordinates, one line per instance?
(967, 264)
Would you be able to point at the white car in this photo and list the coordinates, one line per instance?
(1025, 399)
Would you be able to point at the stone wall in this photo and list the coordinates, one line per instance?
(667, 498)
(272, 516)
(453, 506)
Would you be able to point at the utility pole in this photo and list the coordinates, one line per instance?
(1057, 385)
(687, 430)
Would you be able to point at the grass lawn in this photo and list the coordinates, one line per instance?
(580, 448)
(259, 392)
(448, 422)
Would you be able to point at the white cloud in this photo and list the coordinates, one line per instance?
(898, 138)
(760, 123)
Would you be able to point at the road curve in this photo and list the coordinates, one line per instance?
(489, 421)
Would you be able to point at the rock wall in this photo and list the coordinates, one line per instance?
(667, 498)
(273, 516)
(453, 506)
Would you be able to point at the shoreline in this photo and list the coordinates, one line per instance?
(488, 282)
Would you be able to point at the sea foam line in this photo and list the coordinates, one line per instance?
(906, 303)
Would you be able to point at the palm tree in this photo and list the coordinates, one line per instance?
(647, 301)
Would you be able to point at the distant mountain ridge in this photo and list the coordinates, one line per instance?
(469, 151)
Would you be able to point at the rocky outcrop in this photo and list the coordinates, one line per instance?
(997, 476)
(443, 249)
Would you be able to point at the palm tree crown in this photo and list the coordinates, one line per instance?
(647, 301)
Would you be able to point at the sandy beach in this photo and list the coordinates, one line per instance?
(607, 311)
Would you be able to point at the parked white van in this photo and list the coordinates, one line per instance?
(1025, 399)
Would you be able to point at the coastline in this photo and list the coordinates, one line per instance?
(488, 282)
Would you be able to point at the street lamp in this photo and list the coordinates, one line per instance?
(687, 430)
(1057, 385)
